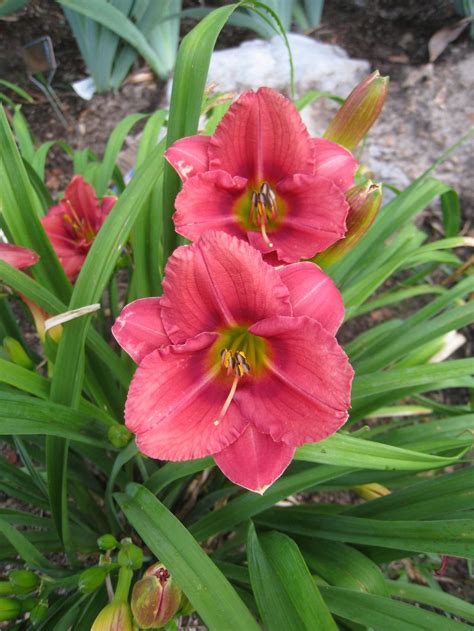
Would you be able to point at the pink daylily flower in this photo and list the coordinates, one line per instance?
(17, 256)
(237, 360)
(73, 224)
(261, 177)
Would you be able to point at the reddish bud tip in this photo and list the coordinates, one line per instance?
(155, 598)
(364, 202)
(359, 111)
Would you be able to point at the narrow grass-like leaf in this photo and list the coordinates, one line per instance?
(192, 569)
(27, 551)
(287, 596)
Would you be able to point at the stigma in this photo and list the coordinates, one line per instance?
(234, 362)
(263, 209)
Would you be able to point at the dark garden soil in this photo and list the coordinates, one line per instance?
(430, 106)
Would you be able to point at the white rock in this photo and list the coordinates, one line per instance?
(257, 63)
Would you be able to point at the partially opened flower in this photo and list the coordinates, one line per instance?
(17, 256)
(237, 360)
(261, 177)
(73, 224)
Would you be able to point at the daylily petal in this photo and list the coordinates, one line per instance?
(173, 401)
(314, 294)
(106, 206)
(139, 329)
(316, 218)
(304, 396)
(218, 281)
(334, 162)
(189, 156)
(17, 256)
(262, 138)
(206, 203)
(254, 460)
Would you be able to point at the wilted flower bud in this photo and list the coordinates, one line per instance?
(39, 612)
(118, 435)
(364, 201)
(358, 112)
(107, 542)
(155, 598)
(24, 581)
(16, 352)
(92, 578)
(130, 555)
(114, 617)
(10, 608)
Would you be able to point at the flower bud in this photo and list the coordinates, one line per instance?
(130, 556)
(24, 581)
(358, 112)
(118, 435)
(16, 352)
(364, 203)
(107, 542)
(39, 613)
(114, 617)
(371, 491)
(10, 608)
(92, 578)
(155, 598)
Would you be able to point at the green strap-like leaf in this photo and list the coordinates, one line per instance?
(203, 583)
(287, 596)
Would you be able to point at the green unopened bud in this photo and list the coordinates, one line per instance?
(114, 617)
(92, 578)
(39, 613)
(358, 112)
(107, 542)
(364, 202)
(28, 603)
(155, 598)
(6, 588)
(10, 608)
(130, 556)
(24, 581)
(119, 436)
(16, 352)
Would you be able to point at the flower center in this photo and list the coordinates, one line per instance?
(238, 354)
(260, 209)
(83, 231)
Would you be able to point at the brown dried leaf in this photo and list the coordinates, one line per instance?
(440, 40)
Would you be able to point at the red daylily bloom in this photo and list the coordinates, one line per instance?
(237, 360)
(262, 177)
(17, 256)
(73, 224)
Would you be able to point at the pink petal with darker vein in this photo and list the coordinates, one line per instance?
(139, 329)
(83, 200)
(206, 203)
(261, 137)
(218, 281)
(173, 401)
(334, 162)
(304, 396)
(17, 256)
(315, 219)
(314, 294)
(254, 460)
(189, 156)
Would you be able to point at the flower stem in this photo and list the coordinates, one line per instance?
(123, 585)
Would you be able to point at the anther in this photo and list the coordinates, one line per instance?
(263, 208)
(235, 362)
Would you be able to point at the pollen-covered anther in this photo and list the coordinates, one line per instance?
(263, 209)
(234, 362)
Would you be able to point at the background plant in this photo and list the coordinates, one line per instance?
(232, 552)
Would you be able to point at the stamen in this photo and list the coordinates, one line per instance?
(234, 362)
(263, 208)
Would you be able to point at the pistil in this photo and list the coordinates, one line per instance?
(234, 362)
(263, 209)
